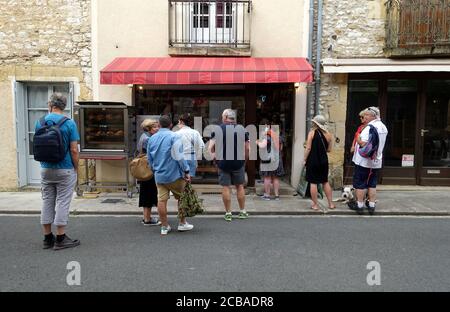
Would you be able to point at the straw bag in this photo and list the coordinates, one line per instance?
(139, 168)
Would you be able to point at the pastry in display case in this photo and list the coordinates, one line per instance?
(103, 127)
(105, 130)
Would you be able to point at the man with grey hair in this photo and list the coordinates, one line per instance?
(230, 150)
(58, 179)
(366, 169)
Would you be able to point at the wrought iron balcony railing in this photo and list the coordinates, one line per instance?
(418, 27)
(215, 23)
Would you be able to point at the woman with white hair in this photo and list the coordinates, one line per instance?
(318, 145)
(148, 193)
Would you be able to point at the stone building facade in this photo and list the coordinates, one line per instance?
(41, 42)
(351, 29)
(407, 85)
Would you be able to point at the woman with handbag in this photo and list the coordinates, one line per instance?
(148, 193)
(318, 145)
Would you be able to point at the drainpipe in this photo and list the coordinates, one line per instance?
(309, 96)
(319, 55)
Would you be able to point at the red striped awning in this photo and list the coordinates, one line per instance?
(206, 70)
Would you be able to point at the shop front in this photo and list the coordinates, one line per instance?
(258, 89)
(416, 110)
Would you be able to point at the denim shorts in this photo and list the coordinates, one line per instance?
(364, 178)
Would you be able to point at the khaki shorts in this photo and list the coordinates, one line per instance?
(177, 188)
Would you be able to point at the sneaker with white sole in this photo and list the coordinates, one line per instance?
(243, 215)
(165, 230)
(153, 221)
(183, 227)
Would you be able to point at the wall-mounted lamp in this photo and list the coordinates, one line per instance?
(130, 86)
(297, 85)
(141, 88)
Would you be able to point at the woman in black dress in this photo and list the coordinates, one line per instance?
(318, 145)
(148, 193)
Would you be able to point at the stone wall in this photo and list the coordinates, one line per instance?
(40, 40)
(47, 32)
(351, 29)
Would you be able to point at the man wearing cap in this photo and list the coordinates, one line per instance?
(367, 169)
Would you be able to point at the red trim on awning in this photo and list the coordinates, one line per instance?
(206, 70)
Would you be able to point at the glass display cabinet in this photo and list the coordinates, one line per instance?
(105, 132)
(103, 128)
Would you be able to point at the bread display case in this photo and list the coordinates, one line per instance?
(103, 128)
(106, 130)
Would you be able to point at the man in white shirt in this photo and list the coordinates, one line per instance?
(193, 144)
(366, 169)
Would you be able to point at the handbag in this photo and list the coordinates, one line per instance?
(139, 168)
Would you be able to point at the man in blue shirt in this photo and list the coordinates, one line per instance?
(166, 159)
(58, 179)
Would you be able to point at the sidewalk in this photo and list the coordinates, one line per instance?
(392, 201)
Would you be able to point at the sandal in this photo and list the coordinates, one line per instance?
(316, 209)
(334, 207)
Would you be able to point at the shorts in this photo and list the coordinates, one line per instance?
(235, 177)
(177, 188)
(364, 178)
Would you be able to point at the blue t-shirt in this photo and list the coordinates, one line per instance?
(70, 134)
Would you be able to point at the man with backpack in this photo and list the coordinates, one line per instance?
(55, 145)
(368, 157)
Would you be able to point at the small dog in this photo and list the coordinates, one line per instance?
(348, 194)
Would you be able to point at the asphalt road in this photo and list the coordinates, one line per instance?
(258, 254)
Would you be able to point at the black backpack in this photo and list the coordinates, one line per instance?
(48, 143)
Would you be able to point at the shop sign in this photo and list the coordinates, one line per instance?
(407, 160)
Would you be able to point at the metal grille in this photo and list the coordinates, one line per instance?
(209, 23)
(112, 201)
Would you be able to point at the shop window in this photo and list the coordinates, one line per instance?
(400, 120)
(207, 104)
(436, 151)
(361, 94)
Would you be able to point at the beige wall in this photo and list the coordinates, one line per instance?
(298, 150)
(133, 28)
(278, 28)
(140, 28)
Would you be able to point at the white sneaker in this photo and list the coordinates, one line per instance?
(185, 227)
(165, 229)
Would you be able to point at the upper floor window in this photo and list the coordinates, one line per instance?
(219, 22)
